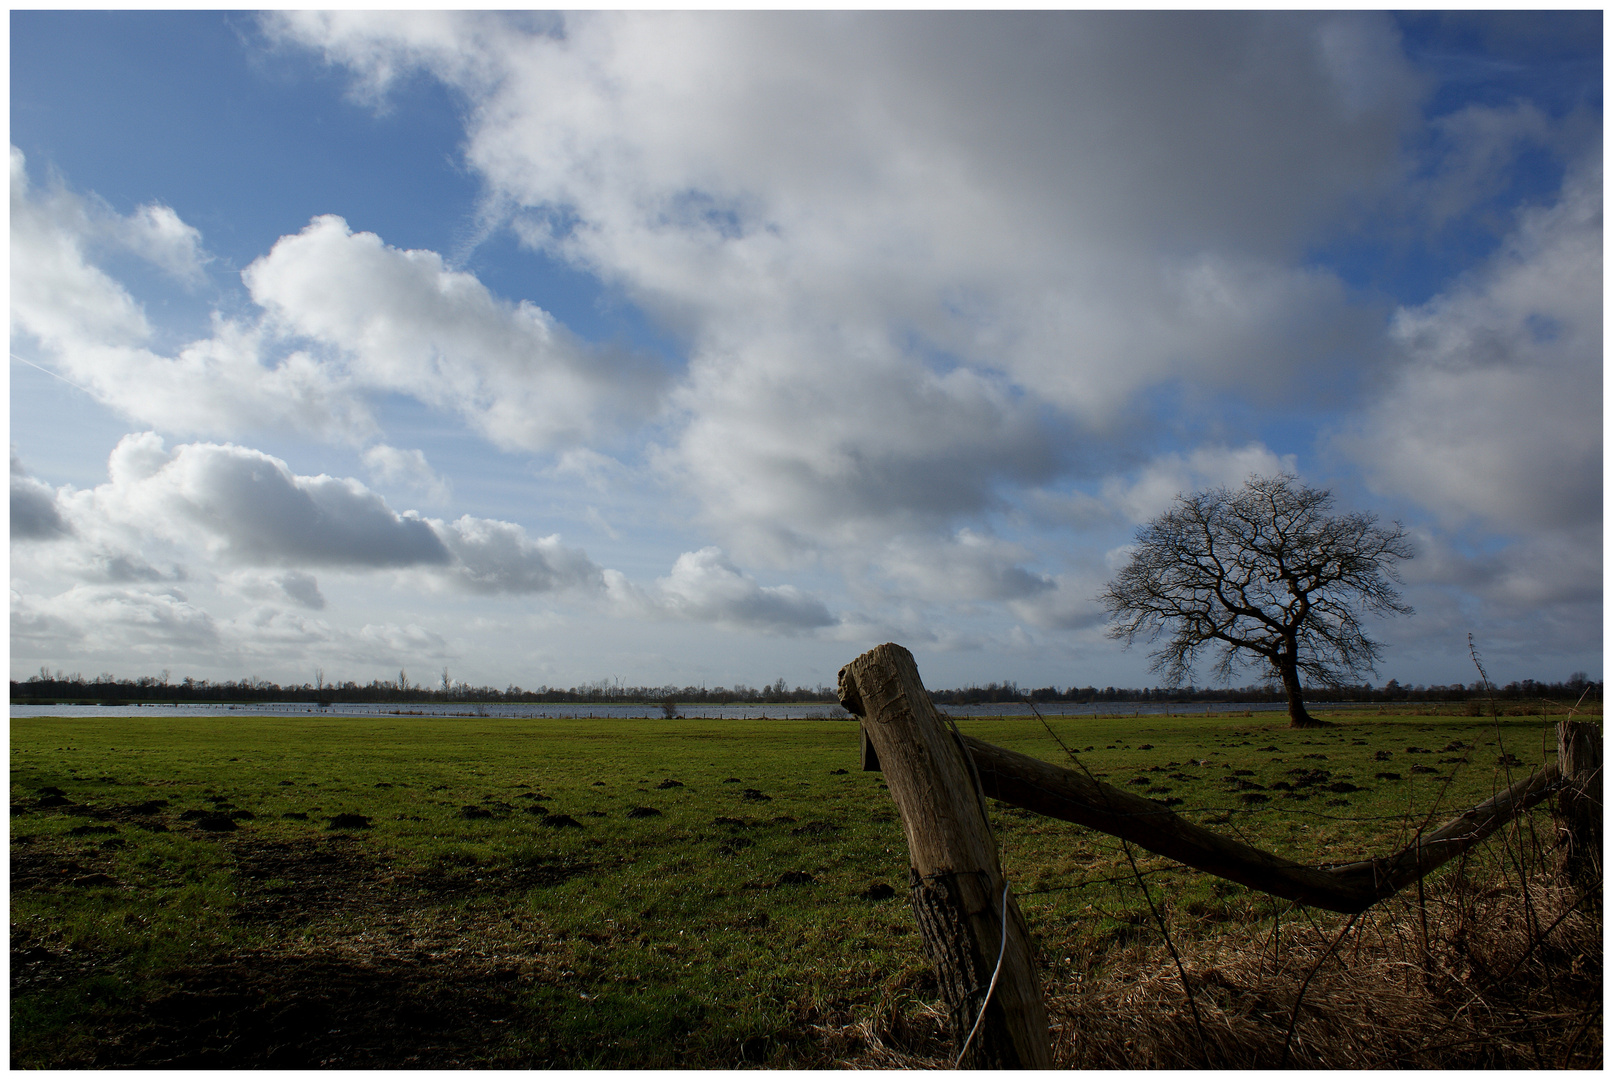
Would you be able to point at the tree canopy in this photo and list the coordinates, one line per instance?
(1263, 575)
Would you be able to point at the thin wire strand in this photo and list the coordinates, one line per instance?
(1125, 846)
(1002, 950)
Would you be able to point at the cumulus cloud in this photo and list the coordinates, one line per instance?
(893, 241)
(245, 509)
(90, 619)
(301, 589)
(403, 321)
(33, 507)
(1152, 490)
(251, 509)
(98, 335)
(1495, 412)
(705, 586)
(969, 567)
(408, 468)
(343, 316)
(296, 586)
(57, 294)
(499, 557)
(788, 456)
(1069, 604)
(157, 234)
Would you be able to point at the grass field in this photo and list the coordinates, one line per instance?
(308, 892)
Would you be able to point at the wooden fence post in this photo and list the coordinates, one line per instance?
(1579, 806)
(957, 885)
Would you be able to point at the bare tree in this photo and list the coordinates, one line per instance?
(1261, 575)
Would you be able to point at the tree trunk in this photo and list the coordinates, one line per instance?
(1297, 716)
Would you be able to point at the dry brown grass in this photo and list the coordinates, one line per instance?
(1484, 971)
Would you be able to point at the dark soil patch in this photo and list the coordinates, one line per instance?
(564, 821)
(349, 821)
(40, 867)
(92, 880)
(267, 1009)
(643, 812)
(750, 794)
(815, 828)
(293, 882)
(795, 877)
(877, 891)
(666, 785)
(449, 881)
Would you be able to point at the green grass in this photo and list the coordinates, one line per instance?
(635, 942)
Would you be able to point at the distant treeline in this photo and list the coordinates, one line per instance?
(991, 693)
(45, 687)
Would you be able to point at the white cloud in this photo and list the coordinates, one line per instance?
(302, 589)
(404, 322)
(392, 639)
(249, 508)
(894, 240)
(296, 586)
(242, 508)
(57, 295)
(91, 619)
(499, 557)
(156, 233)
(705, 586)
(1496, 410)
(408, 468)
(97, 333)
(33, 507)
(788, 453)
(1156, 486)
(1071, 604)
(968, 567)
(373, 319)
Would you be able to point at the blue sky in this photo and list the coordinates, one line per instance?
(718, 348)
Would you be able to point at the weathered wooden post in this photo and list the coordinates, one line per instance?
(957, 887)
(1579, 805)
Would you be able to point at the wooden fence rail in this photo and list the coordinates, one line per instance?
(966, 913)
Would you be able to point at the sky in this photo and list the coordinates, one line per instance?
(704, 349)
